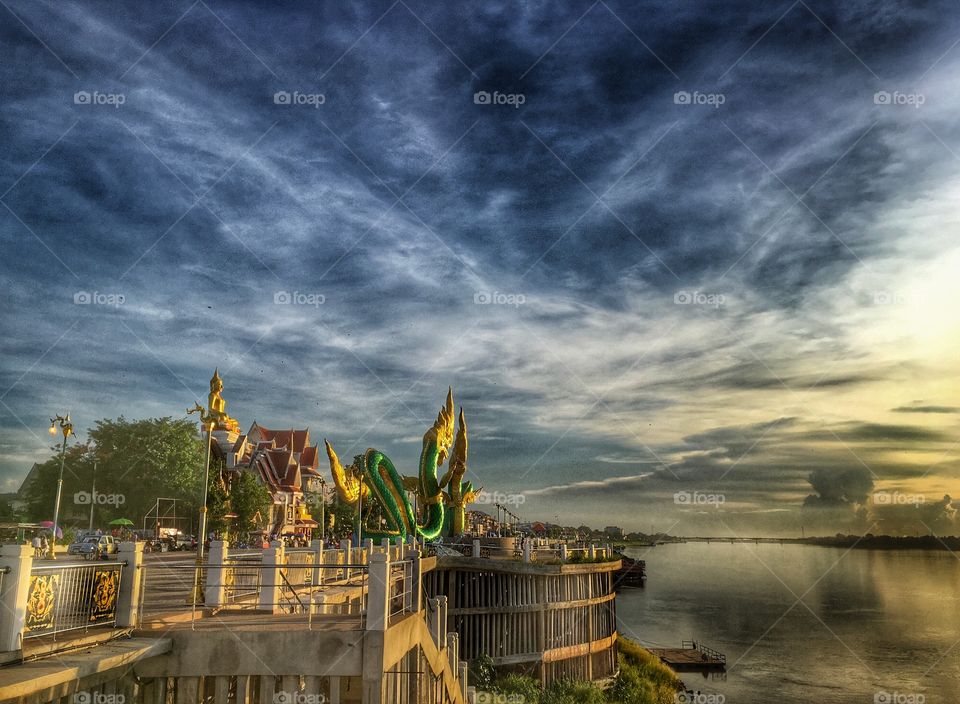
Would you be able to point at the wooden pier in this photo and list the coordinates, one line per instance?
(691, 657)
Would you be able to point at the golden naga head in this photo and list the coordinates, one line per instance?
(347, 480)
(442, 431)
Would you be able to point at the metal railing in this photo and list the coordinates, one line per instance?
(273, 589)
(401, 588)
(700, 647)
(63, 598)
(243, 580)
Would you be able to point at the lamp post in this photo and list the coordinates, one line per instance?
(207, 422)
(66, 427)
(93, 494)
(323, 512)
(360, 510)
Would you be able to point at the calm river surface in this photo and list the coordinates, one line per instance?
(870, 622)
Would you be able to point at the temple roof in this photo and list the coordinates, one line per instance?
(282, 458)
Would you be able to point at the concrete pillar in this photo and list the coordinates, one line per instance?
(471, 695)
(18, 559)
(563, 552)
(344, 557)
(131, 582)
(216, 591)
(368, 548)
(378, 593)
(526, 550)
(476, 547)
(385, 545)
(270, 581)
(441, 635)
(462, 671)
(453, 650)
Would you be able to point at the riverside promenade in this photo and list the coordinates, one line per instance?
(272, 626)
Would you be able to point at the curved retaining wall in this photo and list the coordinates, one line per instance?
(550, 621)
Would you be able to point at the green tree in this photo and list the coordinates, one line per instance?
(41, 493)
(136, 462)
(218, 499)
(248, 498)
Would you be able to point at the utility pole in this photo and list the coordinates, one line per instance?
(93, 494)
(66, 427)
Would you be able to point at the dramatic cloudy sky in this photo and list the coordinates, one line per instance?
(683, 247)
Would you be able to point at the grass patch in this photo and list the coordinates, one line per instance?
(642, 679)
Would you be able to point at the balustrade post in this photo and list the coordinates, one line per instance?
(453, 650)
(271, 583)
(476, 547)
(463, 678)
(526, 550)
(368, 548)
(216, 591)
(593, 551)
(441, 635)
(18, 559)
(378, 593)
(563, 552)
(131, 582)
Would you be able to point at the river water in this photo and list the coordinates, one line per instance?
(805, 624)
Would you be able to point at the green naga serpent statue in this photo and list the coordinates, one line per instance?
(374, 471)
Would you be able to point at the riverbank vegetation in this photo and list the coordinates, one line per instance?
(642, 679)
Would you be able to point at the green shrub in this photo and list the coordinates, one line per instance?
(572, 692)
(526, 689)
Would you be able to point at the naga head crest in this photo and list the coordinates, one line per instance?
(442, 431)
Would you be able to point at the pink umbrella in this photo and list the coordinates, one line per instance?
(49, 524)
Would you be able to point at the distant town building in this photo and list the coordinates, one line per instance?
(480, 523)
(614, 532)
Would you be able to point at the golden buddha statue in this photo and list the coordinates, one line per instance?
(217, 406)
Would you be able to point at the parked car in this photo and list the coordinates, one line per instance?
(93, 547)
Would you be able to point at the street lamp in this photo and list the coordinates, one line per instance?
(66, 427)
(207, 422)
(323, 513)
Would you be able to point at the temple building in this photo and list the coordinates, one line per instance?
(283, 460)
(286, 463)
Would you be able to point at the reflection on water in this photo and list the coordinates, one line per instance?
(803, 623)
